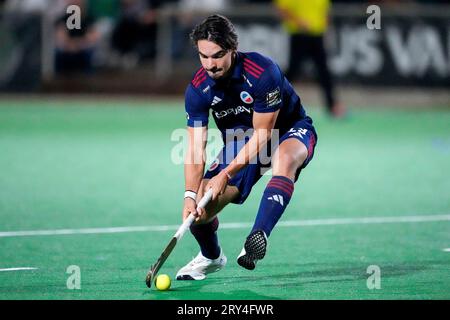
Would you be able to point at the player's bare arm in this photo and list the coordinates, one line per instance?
(194, 166)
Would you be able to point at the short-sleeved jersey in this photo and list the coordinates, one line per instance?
(256, 85)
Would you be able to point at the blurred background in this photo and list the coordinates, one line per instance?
(142, 47)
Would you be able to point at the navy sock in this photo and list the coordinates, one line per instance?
(274, 201)
(206, 236)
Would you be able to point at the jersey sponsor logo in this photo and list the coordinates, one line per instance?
(215, 101)
(246, 97)
(214, 165)
(234, 111)
(273, 98)
(277, 198)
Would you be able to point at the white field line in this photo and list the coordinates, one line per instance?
(446, 250)
(232, 225)
(17, 269)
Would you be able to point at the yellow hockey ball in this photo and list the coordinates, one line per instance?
(162, 282)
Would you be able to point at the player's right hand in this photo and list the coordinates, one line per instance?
(190, 206)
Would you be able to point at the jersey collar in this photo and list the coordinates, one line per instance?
(237, 69)
(237, 72)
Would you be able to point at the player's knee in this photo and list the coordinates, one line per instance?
(209, 213)
(302, 155)
(291, 161)
(205, 218)
(288, 163)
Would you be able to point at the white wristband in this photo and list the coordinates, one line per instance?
(190, 194)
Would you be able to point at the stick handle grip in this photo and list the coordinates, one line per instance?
(206, 198)
(190, 219)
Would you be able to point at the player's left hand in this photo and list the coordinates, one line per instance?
(218, 184)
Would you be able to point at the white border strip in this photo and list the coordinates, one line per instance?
(232, 225)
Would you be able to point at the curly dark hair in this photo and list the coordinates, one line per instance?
(218, 29)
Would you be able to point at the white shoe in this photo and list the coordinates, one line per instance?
(200, 266)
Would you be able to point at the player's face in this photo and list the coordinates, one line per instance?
(215, 60)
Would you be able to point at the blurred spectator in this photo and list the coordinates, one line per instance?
(75, 47)
(307, 21)
(18, 11)
(28, 5)
(258, 1)
(191, 13)
(350, 1)
(20, 35)
(134, 35)
(205, 6)
(104, 9)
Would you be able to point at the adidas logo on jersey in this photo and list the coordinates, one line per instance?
(215, 101)
(277, 198)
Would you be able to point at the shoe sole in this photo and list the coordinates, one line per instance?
(253, 250)
(185, 277)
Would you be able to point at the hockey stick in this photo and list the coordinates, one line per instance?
(151, 274)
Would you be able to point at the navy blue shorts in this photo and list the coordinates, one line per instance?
(246, 178)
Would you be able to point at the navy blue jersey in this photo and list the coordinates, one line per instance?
(255, 85)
